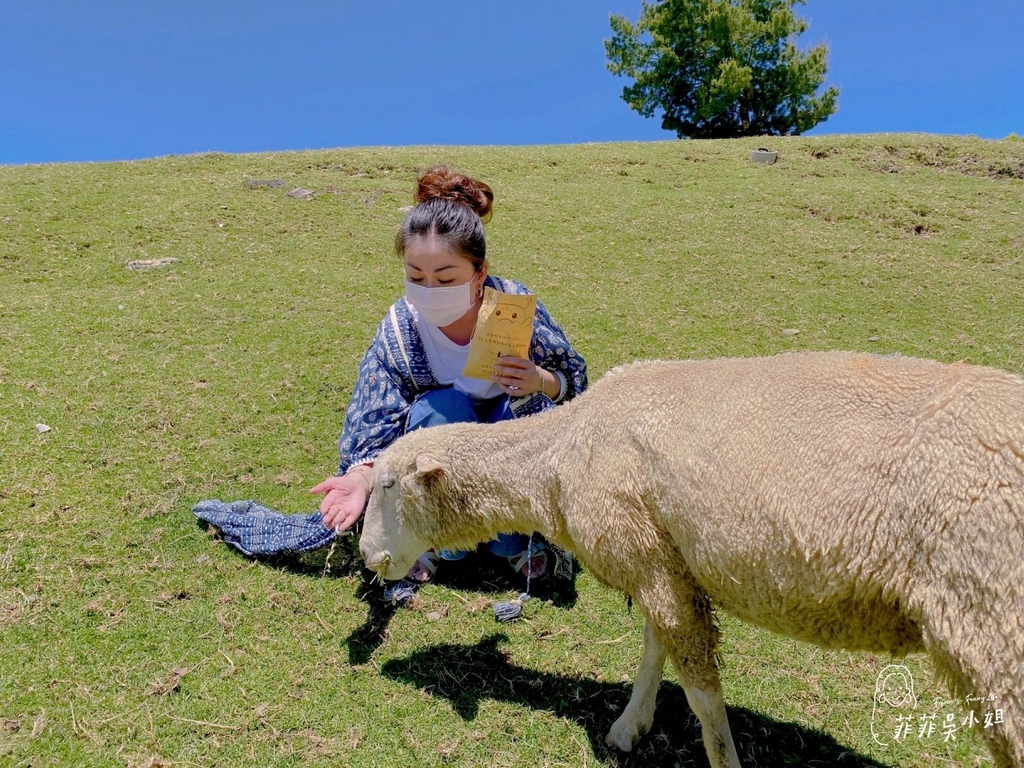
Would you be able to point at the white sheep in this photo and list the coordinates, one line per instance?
(849, 500)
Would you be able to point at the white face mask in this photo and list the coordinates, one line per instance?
(440, 306)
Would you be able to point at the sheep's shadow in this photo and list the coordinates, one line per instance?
(478, 573)
(340, 559)
(467, 675)
(482, 572)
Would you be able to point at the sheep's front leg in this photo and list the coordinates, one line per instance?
(638, 715)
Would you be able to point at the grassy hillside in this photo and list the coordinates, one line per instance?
(130, 636)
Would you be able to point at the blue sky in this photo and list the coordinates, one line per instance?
(93, 80)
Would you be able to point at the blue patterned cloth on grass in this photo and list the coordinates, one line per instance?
(254, 529)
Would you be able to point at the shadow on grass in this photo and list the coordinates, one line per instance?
(480, 572)
(477, 573)
(467, 675)
(342, 560)
(339, 560)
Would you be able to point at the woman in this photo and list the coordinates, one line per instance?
(410, 377)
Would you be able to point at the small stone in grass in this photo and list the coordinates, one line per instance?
(150, 263)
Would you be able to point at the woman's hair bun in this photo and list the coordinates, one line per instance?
(442, 183)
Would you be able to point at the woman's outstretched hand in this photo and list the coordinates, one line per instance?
(344, 499)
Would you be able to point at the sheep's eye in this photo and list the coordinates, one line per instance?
(387, 482)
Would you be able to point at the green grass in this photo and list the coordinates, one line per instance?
(129, 636)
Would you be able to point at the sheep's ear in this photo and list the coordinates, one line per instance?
(428, 466)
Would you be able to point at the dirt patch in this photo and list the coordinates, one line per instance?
(893, 158)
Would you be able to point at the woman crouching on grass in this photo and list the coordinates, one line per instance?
(411, 375)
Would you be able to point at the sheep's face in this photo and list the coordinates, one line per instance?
(391, 542)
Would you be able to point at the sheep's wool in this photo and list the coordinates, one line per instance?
(848, 500)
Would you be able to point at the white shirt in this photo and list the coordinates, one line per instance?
(447, 359)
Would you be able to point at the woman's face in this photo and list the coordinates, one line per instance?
(430, 262)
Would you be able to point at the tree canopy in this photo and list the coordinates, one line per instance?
(721, 68)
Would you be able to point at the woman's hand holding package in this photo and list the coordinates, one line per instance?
(519, 377)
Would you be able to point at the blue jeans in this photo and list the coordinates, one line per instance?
(450, 406)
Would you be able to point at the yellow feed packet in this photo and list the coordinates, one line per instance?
(504, 327)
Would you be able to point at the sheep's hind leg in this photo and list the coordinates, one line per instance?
(638, 715)
(685, 625)
(709, 707)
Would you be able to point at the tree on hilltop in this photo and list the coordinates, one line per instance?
(721, 68)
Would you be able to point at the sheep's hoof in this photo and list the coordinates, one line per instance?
(623, 736)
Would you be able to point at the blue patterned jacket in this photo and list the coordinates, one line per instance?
(395, 371)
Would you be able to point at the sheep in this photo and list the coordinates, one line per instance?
(849, 500)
